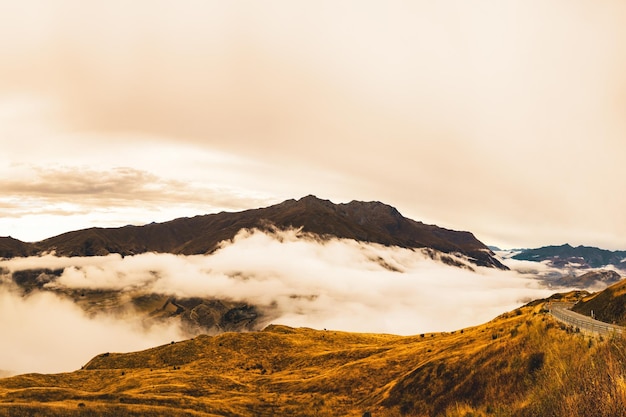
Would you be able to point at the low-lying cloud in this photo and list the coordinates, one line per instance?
(45, 333)
(337, 284)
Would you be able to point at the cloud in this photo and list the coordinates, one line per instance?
(38, 202)
(85, 182)
(119, 186)
(530, 267)
(552, 275)
(514, 110)
(44, 333)
(336, 284)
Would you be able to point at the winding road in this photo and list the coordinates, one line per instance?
(562, 312)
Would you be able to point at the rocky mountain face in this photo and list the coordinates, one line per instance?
(363, 221)
(581, 256)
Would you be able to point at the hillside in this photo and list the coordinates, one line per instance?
(363, 221)
(10, 248)
(581, 256)
(521, 364)
(608, 305)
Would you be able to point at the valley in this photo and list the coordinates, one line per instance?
(252, 320)
(518, 364)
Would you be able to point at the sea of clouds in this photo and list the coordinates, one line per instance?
(336, 284)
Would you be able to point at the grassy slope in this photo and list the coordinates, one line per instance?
(608, 305)
(521, 363)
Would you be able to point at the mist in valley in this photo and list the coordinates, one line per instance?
(298, 279)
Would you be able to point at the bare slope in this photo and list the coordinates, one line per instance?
(520, 364)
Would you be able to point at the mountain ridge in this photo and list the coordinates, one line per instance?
(11, 248)
(373, 222)
(584, 256)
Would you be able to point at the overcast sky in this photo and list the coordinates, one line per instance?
(505, 118)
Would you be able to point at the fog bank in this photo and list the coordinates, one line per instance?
(338, 284)
(47, 334)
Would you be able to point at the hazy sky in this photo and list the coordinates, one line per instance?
(505, 118)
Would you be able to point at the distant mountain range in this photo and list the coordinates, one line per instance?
(580, 256)
(362, 221)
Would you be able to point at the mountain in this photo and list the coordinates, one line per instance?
(362, 221)
(196, 314)
(521, 364)
(589, 279)
(11, 248)
(580, 256)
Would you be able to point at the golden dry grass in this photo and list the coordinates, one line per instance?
(608, 305)
(521, 363)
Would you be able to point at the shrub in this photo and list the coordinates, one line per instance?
(535, 362)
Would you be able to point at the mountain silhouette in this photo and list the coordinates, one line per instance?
(373, 222)
(583, 256)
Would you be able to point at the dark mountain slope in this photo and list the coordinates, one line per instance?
(363, 221)
(10, 248)
(562, 255)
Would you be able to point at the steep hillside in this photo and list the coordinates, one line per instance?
(362, 221)
(520, 364)
(608, 305)
(582, 256)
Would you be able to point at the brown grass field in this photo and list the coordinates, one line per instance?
(522, 363)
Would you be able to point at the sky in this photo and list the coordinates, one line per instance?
(502, 117)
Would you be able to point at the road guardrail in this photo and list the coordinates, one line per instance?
(562, 312)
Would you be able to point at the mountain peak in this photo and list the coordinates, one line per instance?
(373, 222)
(312, 197)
